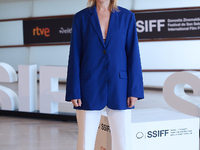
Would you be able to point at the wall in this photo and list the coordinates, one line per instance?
(154, 55)
(47, 55)
(168, 54)
(158, 4)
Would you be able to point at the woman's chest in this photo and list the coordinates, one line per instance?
(104, 19)
(92, 28)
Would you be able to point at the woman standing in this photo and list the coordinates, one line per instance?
(104, 70)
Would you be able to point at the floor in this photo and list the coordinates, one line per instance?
(35, 134)
(32, 134)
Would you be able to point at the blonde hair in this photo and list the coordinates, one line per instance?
(113, 4)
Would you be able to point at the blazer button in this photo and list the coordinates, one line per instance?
(104, 51)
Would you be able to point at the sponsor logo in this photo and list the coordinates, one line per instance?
(150, 25)
(163, 133)
(168, 24)
(41, 32)
(47, 30)
(65, 31)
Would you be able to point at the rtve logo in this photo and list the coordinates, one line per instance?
(41, 31)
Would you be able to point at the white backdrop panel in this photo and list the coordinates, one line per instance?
(158, 4)
(11, 33)
(10, 9)
(170, 55)
(65, 6)
(49, 55)
(15, 56)
(59, 7)
(155, 79)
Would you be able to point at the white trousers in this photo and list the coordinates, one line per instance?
(119, 122)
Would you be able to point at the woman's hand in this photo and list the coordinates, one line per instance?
(76, 102)
(131, 101)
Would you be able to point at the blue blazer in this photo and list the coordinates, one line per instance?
(104, 74)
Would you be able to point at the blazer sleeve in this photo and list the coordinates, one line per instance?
(73, 71)
(134, 70)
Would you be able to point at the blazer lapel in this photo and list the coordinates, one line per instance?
(112, 24)
(95, 23)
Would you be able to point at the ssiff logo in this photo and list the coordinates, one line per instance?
(153, 134)
(41, 31)
(102, 148)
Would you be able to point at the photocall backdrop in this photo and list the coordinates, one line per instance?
(170, 24)
(51, 30)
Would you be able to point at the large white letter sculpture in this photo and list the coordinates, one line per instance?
(50, 95)
(175, 96)
(27, 87)
(8, 98)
